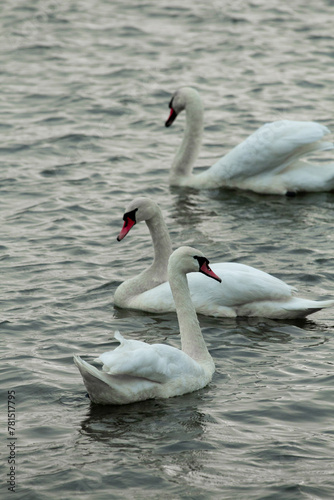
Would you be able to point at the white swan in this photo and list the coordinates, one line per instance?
(246, 291)
(267, 162)
(136, 371)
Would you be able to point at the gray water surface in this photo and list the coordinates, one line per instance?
(84, 96)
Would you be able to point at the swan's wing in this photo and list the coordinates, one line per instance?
(155, 362)
(271, 148)
(241, 284)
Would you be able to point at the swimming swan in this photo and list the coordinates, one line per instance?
(136, 371)
(267, 162)
(246, 291)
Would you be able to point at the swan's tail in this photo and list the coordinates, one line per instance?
(294, 308)
(98, 383)
(300, 308)
(114, 389)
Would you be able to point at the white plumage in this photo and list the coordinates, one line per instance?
(155, 362)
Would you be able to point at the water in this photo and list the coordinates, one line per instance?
(85, 88)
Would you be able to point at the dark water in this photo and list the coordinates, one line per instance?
(84, 93)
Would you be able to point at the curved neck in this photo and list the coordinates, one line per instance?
(162, 247)
(157, 272)
(192, 140)
(192, 341)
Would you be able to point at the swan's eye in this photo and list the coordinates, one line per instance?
(201, 260)
(129, 221)
(130, 215)
(206, 269)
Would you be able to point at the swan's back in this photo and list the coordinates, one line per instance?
(270, 149)
(155, 362)
(241, 284)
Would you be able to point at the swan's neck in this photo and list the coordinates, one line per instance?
(188, 151)
(192, 341)
(162, 247)
(157, 272)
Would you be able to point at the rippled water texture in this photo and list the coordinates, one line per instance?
(84, 95)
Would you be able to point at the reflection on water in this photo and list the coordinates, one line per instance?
(151, 439)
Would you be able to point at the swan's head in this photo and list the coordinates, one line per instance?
(188, 260)
(140, 209)
(180, 100)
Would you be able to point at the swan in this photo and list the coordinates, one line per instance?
(136, 371)
(267, 162)
(246, 291)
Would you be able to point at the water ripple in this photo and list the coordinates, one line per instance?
(85, 92)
